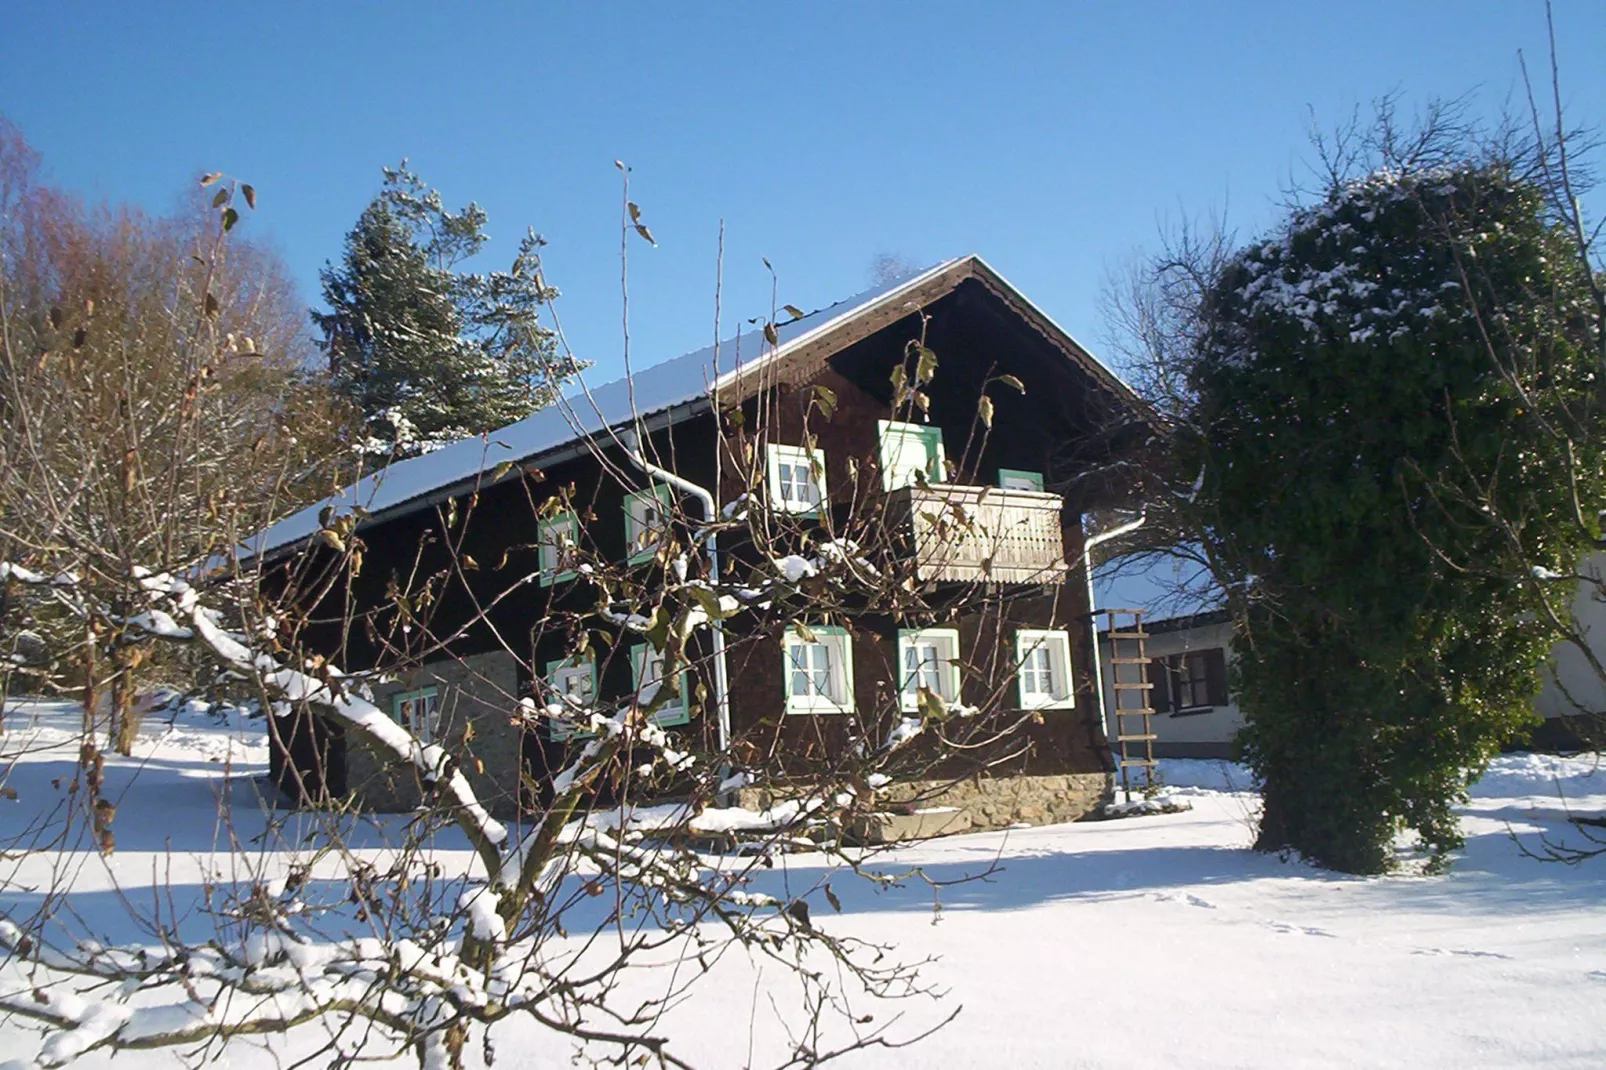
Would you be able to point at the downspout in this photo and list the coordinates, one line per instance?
(630, 443)
(1087, 569)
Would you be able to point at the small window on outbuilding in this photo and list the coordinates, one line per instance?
(1193, 681)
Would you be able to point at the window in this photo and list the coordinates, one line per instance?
(1191, 682)
(928, 658)
(647, 667)
(647, 514)
(910, 452)
(1015, 479)
(1044, 658)
(418, 712)
(556, 537)
(818, 666)
(574, 683)
(796, 478)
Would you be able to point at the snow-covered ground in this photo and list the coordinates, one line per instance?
(1145, 942)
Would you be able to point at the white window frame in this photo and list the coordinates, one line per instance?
(1029, 641)
(812, 458)
(644, 657)
(946, 642)
(638, 536)
(894, 437)
(1023, 479)
(426, 728)
(548, 550)
(585, 662)
(839, 646)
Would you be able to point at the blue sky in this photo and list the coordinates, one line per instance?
(1054, 138)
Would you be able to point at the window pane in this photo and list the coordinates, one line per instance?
(821, 657)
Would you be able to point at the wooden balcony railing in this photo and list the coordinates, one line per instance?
(981, 534)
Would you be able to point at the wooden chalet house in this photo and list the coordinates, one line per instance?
(745, 426)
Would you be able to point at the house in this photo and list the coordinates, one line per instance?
(1573, 697)
(1189, 644)
(805, 428)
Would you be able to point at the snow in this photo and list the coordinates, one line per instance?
(1152, 941)
(794, 568)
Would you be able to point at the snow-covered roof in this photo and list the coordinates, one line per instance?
(686, 381)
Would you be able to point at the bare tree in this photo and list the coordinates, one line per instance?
(629, 857)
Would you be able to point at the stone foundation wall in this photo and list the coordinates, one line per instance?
(998, 802)
(478, 691)
(986, 802)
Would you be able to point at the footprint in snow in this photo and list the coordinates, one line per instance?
(1183, 897)
(1460, 953)
(1303, 930)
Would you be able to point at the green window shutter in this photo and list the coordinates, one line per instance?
(1019, 478)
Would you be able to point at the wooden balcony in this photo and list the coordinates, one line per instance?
(972, 534)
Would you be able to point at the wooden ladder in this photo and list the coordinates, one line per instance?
(1134, 727)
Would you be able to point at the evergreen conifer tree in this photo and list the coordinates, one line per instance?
(427, 352)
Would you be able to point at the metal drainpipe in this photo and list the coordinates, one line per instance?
(630, 442)
(1087, 568)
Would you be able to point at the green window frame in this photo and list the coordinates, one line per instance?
(896, 438)
(637, 534)
(404, 711)
(1020, 475)
(783, 463)
(556, 729)
(801, 663)
(1043, 657)
(550, 534)
(911, 675)
(666, 716)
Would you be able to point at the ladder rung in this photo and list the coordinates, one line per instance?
(1128, 661)
(1136, 739)
(1139, 761)
(1136, 711)
(1133, 687)
(1127, 635)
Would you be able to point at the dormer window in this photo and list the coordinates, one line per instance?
(796, 478)
(911, 454)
